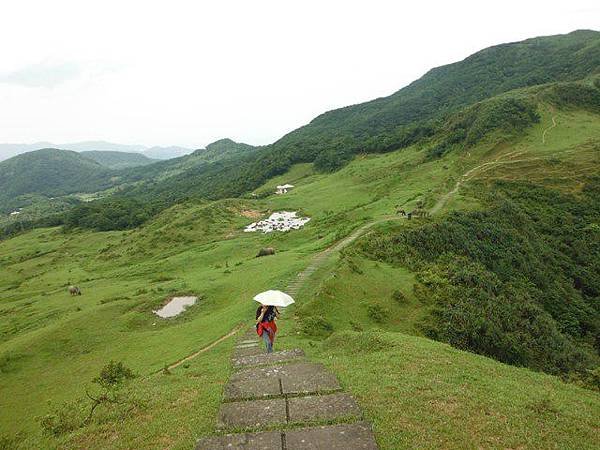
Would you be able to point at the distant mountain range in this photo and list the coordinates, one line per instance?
(51, 172)
(10, 150)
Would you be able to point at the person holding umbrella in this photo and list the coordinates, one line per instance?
(267, 313)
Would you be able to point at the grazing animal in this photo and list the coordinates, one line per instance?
(401, 212)
(419, 212)
(74, 290)
(267, 251)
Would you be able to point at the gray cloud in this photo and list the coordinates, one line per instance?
(43, 74)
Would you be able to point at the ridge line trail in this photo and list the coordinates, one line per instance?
(489, 165)
(551, 126)
(319, 259)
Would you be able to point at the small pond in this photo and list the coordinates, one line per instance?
(175, 307)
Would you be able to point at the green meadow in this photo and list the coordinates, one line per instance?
(358, 316)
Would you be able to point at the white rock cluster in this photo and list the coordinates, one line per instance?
(278, 221)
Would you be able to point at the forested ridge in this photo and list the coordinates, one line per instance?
(517, 280)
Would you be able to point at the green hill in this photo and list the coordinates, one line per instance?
(504, 268)
(117, 160)
(50, 172)
(412, 114)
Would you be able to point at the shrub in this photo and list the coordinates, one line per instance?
(376, 312)
(399, 296)
(316, 326)
(518, 281)
(113, 374)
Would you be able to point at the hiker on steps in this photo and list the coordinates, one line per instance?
(265, 324)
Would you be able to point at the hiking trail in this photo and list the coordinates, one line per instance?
(282, 401)
(318, 260)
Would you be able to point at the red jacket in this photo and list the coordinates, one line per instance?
(270, 327)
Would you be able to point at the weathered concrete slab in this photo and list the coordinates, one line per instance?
(270, 440)
(294, 378)
(254, 413)
(322, 407)
(253, 383)
(335, 437)
(251, 344)
(247, 351)
(307, 378)
(268, 358)
(248, 341)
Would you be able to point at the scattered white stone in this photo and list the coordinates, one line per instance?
(14, 213)
(278, 221)
(175, 307)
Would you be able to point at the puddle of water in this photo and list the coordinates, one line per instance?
(175, 307)
(278, 221)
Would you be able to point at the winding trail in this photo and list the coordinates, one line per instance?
(319, 259)
(548, 129)
(206, 348)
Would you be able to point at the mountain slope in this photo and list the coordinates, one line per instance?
(117, 160)
(50, 172)
(410, 114)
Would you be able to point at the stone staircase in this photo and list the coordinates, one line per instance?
(282, 401)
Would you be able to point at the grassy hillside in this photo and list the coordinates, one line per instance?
(118, 160)
(444, 102)
(412, 113)
(506, 266)
(413, 389)
(50, 172)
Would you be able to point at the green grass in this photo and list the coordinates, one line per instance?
(414, 390)
(423, 394)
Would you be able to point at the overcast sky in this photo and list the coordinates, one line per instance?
(190, 72)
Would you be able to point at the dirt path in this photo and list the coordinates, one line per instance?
(206, 348)
(550, 127)
(318, 260)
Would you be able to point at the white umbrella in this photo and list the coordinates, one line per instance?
(274, 298)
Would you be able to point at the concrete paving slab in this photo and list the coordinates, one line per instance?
(334, 437)
(248, 341)
(307, 378)
(269, 440)
(268, 358)
(251, 344)
(322, 407)
(253, 383)
(247, 351)
(254, 413)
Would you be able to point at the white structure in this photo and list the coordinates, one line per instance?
(15, 213)
(279, 221)
(283, 188)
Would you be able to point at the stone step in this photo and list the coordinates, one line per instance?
(331, 437)
(268, 358)
(282, 411)
(269, 440)
(322, 407)
(252, 344)
(253, 414)
(248, 351)
(293, 378)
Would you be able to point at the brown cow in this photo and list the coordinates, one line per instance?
(74, 290)
(267, 251)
